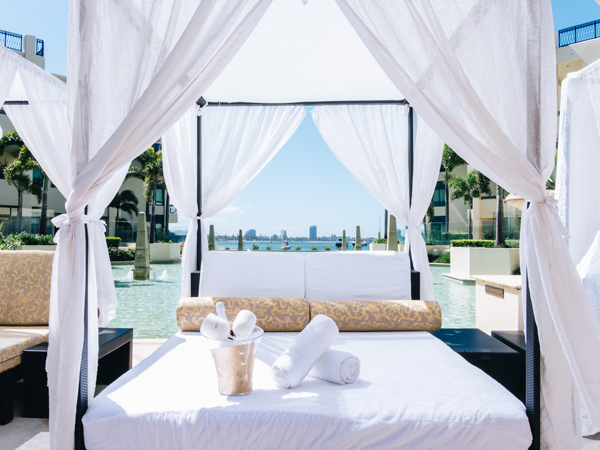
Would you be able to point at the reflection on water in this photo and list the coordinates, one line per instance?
(149, 306)
(456, 300)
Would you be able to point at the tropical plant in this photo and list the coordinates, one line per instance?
(314, 248)
(240, 242)
(125, 201)
(298, 248)
(15, 173)
(468, 189)
(430, 214)
(450, 160)
(327, 248)
(268, 247)
(148, 167)
(227, 247)
(255, 246)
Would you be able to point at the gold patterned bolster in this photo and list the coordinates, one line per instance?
(14, 340)
(381, 315)
(272, 314)
(25, 287)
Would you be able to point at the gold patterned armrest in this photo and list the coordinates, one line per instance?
(25, 287)
(381, 315)
(272, 314)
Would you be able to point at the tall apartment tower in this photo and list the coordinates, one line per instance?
(313, 232)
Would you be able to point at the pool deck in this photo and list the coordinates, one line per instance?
(32, 434)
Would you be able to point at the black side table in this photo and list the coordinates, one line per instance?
(490, 355)
(114, 359)
(516, 341)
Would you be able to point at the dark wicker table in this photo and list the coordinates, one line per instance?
(516, 341)
(114, 359)
(492, 356)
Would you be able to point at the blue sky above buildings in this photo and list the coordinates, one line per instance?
(304, 184)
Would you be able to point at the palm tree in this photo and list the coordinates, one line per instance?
(450, 160)
(125, 201)
(150, 171)
(24, 163)
(474, 186)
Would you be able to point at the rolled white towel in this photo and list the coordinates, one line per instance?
(336, 366)
(292, 366)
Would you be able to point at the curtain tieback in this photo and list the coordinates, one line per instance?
(552, 203)
(64, 222)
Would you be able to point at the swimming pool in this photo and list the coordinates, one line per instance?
(149, 306)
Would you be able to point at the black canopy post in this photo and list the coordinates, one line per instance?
(532, 367)
(385, 225)
(410, 169)
(195, 276)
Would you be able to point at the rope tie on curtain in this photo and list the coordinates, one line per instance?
(64, 222)
(552, 203)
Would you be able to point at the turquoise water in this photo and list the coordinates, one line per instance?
(149, 306)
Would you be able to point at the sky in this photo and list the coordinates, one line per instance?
(304, 184)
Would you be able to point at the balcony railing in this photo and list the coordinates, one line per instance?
(14, 41)
(579, 33)
(39, 47)
(11, 40)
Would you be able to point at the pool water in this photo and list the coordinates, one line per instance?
(149, 306)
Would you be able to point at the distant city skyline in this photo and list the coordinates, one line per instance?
(304, 184)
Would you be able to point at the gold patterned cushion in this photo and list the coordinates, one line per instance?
(381, 315)
(13, 340)
(272, 314)
(25, 287)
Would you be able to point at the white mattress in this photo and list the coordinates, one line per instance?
(414, 392)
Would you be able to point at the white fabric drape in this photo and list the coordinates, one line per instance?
(237, 142)
(371, 141)
(8, 69)
(493, 101)
(578, 163)
(118, 103)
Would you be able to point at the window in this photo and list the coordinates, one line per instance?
(159, 195)
(439, 195)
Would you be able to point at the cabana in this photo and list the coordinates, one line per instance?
(480, 74)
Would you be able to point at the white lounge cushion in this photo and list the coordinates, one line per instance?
(252, 274)
(357, 276)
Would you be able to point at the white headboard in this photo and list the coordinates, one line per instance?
(358, 276)
(252, 274)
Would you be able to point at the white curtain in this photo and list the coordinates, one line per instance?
(119, 102)
(371, 141)
(578, 163)
(237, 142)
(8, 69)
(494, 102)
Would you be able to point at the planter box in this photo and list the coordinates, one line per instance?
(377, 247)
(44, 248)
(164, 252)
(465, 262)
(498, 303)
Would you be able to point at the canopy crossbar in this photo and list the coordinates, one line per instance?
(203, 102)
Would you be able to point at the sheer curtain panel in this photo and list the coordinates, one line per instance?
(494, 102)
(371, 141)
(237, 142)
(167, 54)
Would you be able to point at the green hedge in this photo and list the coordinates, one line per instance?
(113, 242)
(12, 241)
(473, 243)
(117, 254)
(454, 236)
(444, 259)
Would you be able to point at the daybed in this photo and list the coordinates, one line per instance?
(413, 392)
(24, 312)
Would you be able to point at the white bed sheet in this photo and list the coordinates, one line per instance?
(414, 392)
